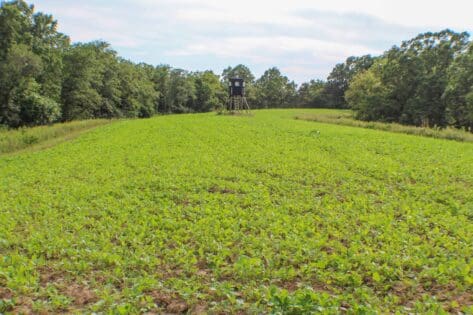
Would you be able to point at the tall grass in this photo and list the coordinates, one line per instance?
(19, 139)
(346, 118)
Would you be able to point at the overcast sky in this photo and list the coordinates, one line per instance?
(304, 38)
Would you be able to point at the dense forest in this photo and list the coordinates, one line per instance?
(427, 81)
(44, 78)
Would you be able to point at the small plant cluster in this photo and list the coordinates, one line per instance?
(213, 214)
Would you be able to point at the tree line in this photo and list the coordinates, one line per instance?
(44, 78)
(427, 81)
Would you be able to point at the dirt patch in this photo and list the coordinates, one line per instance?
(203, 269)
(48, 275)
(290, 286)
(81, 295)
(464, 299)
(172, 303)
(24, 305)
(5, 294)
(199, 309)
(328, 249)
(296, 284)
(177, 307)
(182, 201)
(454, 301)
(220, 190)
(448, 294)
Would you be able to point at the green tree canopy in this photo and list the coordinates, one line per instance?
(274, 90)
(210, 92)
(313, 94)
(340, 78)
(31, 65)
(459, 92)
(409, 84)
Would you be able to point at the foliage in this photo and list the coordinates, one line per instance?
(340, 78)
(37, 109)
(347, 118)
(160, 76)
(232, 214)
(210, 92)
(313, 94)
(274, 90)
(30, 65)
(138, 97)
(181, 92)
(43, 79)
(239, 71)
(23, 138)
(408, 84)
(370, 97)
(459, 92)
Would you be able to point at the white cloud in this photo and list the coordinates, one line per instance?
(270, 47)
(221, 15)
(416, 13)
(305, 38)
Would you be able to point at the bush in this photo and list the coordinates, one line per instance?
(39, 110)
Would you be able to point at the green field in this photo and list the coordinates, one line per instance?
(235, 214)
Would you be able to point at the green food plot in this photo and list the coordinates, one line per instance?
(235, 214)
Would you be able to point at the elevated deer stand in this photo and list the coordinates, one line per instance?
(236, 96)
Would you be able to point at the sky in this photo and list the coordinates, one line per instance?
(303, 38)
